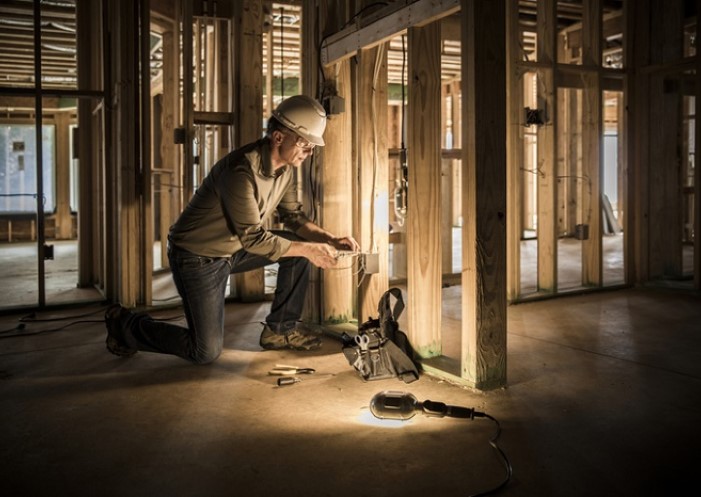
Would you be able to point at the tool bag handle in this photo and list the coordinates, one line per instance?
(384, 307)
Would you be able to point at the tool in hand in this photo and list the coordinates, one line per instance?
(283, 370)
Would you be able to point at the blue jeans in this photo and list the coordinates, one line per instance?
(201, 282)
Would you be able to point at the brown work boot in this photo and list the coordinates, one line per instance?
(295, 340)
(116, 318)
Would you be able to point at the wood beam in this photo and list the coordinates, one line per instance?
(312, 21)
(64, 220)
(169, 151)
(144, 172)
(592, 136)
(383, 25)
(514, 151)
(122, 180)
(697, 169)
(336, 216)
(638, 47)
(249, 86)
(373, 174)
(665, 221)
(423, 238)
(546, 150)
(483, 362)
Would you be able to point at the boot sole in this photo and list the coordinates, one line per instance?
(114, 329)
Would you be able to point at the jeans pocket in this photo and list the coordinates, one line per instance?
(194, 262)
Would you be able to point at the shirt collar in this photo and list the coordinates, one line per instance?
(266, 166)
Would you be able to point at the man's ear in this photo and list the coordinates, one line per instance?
(278, 137)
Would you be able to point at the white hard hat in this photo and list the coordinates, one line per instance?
(303, 115)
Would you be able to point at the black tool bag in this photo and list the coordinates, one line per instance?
(380, 349)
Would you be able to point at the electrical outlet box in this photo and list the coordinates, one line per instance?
(371, 263)
(334, 105)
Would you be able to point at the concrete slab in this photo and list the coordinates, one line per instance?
(603, 399)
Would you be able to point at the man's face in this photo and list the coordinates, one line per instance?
(294, 149)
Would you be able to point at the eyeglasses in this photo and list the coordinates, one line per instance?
(301, 142)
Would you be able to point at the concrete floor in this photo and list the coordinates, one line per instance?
(603, 399)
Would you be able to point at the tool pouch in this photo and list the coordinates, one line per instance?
(381, 350)
(372, 362)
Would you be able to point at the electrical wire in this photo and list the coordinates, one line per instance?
(502, 456)
(403, 130)
(321, 90)
(18, 331)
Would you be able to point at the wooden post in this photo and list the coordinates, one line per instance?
(664, 195)
(310, 76)
(456, 164)
(249, 91)
(638, 216)
(514, 150)
(447, 216)
(188, 121)
(373, 165)
(64, 221)
(483, 361)
(336, 196)
(446, 186)
(143, 221)
(697, 168)
(170, 195)
(592, 267)
(88, 25)
(423, 237)
(122, 180)
(335, 166)
(547, 151)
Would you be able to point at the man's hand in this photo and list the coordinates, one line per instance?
(321, 255)
(322, 247)
(345, 243)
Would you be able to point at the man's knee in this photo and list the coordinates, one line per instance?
(207, 355)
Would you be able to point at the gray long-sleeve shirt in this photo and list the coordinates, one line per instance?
(228, 210)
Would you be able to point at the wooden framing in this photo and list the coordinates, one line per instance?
(144, 169)
(383, 25)
(592, 136)
(336, 196)
(169, 152)
(64, 221)
(483, 362)
(664, 198)
(697, 171)
(514, 150)
(310, 77)
(184, 9)
(547, 151)
(114, 221)
(373, 164)
(335, 167)
(639, 55)
(122, 173)
(423, 237)
(249, 91)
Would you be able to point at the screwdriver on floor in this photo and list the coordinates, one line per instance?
(287, 380)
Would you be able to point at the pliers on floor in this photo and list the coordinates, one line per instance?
(283, 370)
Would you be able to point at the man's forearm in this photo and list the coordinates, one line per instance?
(313, 233)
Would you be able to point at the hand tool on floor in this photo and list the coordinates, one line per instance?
(287, 380)
(284, 370)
